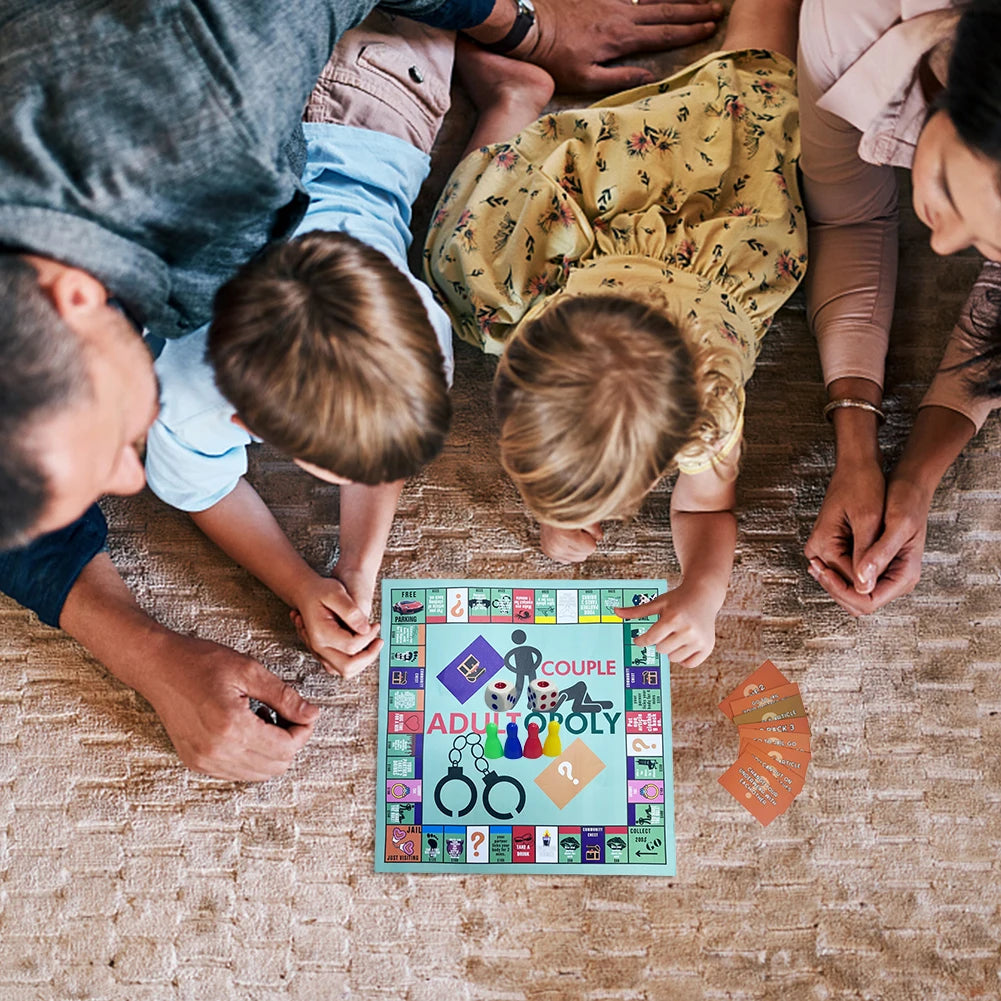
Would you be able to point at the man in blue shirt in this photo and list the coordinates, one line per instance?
(146, 151)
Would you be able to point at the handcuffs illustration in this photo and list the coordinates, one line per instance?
(472, 742)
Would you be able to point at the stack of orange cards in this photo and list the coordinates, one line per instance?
(774, 743)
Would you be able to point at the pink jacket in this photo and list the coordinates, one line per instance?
(861, 111)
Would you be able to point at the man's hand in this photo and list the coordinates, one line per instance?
(332, 618)
(685, 628)
(201, 692)
(577, 40)
(849, 522)
(569, 545)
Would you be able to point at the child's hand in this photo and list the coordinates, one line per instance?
(570, 545)
(335, 626)
(359, 584)
(685, 628)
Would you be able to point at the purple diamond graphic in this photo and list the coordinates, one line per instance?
(471, 670)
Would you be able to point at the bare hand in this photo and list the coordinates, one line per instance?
(332, 619)
(569, 545)
(685, 629)
(201, 691)
(891, 566)
(577, 40)
(848, 523)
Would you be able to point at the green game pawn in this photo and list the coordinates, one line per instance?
(552, 748)
(493, 748)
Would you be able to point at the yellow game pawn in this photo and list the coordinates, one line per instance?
(552, 748)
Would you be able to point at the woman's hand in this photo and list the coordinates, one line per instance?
(891, 567)
(849, 523)
(887, 564)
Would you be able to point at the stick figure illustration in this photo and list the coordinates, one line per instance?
(523, 661)
(581, 699)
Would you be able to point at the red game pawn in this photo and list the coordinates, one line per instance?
(533, 746)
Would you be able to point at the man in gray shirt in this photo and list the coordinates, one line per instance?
(146, 151)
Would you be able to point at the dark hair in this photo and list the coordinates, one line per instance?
(41, 371)
(326, 351)
(972, 96)
(981, 324)
(972, 99)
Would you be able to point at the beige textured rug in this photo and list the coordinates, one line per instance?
(124, 877)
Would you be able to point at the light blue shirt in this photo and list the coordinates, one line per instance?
(361, 183)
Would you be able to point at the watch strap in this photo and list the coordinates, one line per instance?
(523, 22)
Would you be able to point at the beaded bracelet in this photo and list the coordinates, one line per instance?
(850, 401)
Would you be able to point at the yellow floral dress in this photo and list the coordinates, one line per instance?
(683, 192)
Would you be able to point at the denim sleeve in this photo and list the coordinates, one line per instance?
(451, 14)
(40, 575)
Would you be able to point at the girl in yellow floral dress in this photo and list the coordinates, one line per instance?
(625, 260)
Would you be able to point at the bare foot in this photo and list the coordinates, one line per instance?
(496, 83)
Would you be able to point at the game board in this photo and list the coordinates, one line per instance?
(603, 805)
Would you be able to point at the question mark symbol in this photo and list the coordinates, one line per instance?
(477, 839)
(566, 770)
(457, 607)
(641, 745)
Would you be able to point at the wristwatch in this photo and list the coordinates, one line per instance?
(523, 20)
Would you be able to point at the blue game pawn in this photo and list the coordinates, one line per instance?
(512, 746)
(492, 748)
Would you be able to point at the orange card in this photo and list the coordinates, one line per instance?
(787, 741)
(783, 709)
(792, 758)
(755, 789)
(800, 726)
(761, 699)
(759, 680)
(785, 778)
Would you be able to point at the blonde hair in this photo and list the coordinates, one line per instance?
(597, 398)
(718, 381)
(326, 351)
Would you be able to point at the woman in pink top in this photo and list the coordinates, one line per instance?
(884, 84)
